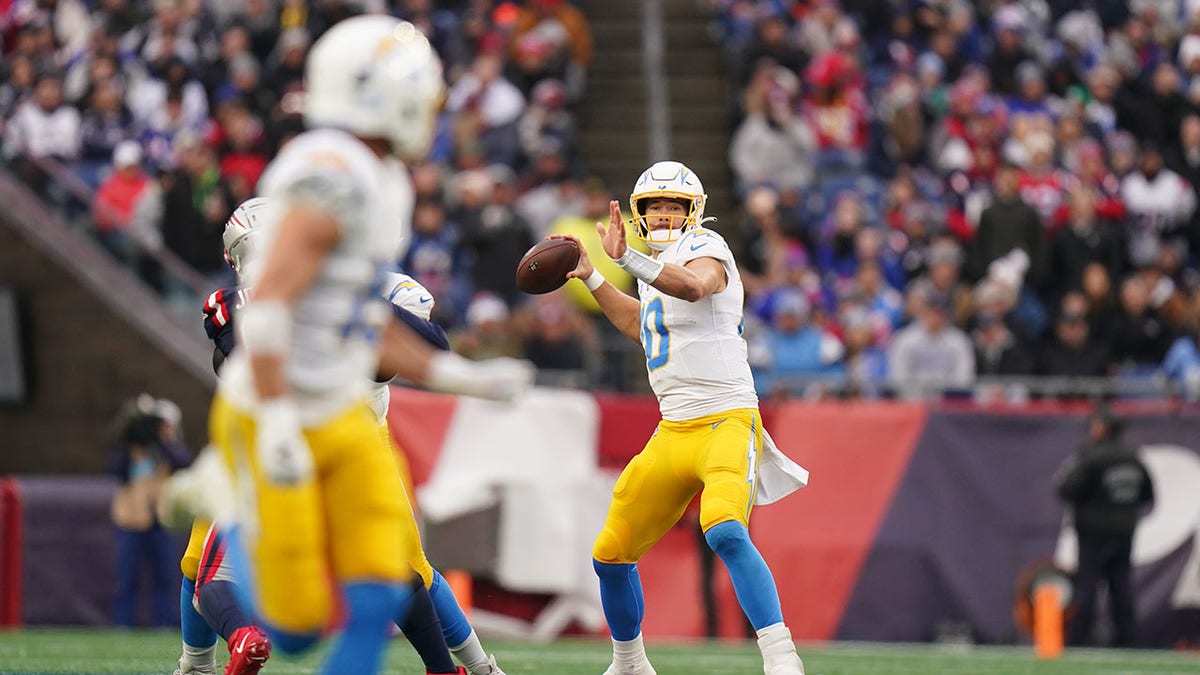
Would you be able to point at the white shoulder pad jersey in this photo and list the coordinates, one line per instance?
(695, 353)
(404, 292)
(338, 321)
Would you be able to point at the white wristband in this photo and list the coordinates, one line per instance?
(594, 280)
(640, 265)
(265, 327)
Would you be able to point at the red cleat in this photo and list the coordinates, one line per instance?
(249, 649)
(460, 671)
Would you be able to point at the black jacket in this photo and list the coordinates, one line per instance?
(1107, 487)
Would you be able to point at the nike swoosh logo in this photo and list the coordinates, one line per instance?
(242, 645)
(717, 424)
(698, 246)
(424, 299)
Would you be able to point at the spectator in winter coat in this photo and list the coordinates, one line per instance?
(1160, 203)
(930, 355)
(1070, 351)
(997, 350)
(42, 127)
(1141, 336)
(1085, 240)
(118, 198)
(1006, 224)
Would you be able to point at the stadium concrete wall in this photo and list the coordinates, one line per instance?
(82, 359)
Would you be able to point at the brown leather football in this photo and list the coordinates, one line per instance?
(545, 266)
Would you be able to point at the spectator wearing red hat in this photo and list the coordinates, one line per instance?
(836, 110)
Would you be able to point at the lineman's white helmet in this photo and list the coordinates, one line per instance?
(376, 77)
(669, 180)
(240, 237)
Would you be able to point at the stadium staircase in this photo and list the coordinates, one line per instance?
(93, 335)
(616, 122)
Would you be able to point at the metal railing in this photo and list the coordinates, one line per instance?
(75, 188)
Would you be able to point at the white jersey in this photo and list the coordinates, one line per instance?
(695, 353)
(334, 349)
(404, 292)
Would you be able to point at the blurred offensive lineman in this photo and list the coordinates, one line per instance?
(435, 618)
(711, 438)
(318, 484)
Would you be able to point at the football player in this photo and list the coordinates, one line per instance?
(319, 485)
(435, 618)
(688, 318)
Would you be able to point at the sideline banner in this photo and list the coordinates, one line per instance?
(914, 522)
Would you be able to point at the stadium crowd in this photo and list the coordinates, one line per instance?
(169, 110)
(931, 190)
(938, 190)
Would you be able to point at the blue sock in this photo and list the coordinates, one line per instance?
(220, 608)
(455, 627)
(370, 609)
(196, 631)
(621, 595)
(424, 632)
(292, 644)
(752, 580)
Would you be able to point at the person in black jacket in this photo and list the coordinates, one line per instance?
(1108, 489)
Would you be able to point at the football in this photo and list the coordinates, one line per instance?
(544, 267)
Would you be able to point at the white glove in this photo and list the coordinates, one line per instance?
(283, 454)
(499, 379)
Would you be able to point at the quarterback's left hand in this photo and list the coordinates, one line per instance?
(613, 237)
(283, 454)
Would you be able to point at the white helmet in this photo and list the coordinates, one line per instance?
(375, 76)
(241, 244)
(669, 180)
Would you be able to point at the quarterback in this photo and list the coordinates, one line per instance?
(318, 488)
(688, 318)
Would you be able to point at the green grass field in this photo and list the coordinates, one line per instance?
(148, 652)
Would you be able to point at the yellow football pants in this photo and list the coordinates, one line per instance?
(411, 531)
(717, 454)
(348, 522)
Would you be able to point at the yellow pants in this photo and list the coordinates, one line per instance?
(717, 454)
(349, 522)
(411, 531)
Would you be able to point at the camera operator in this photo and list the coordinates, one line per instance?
(147, 450)
(1108, 490)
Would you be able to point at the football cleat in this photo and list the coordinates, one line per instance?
(489, 668)
(643, 667)
(460, 671)
(249, 649)
(786, 664)
(189, 669)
